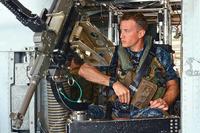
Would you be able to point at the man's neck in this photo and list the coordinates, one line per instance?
(138, 46)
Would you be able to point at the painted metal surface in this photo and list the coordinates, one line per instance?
(190, 87)
(145, 125)
(6, 63)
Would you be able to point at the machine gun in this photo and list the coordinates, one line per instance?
(51, 29)
(52, 33)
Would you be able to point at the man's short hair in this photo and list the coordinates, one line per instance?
(137, 17)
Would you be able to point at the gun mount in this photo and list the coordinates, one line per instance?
(91, 45)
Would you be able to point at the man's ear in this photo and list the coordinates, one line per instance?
(141, 33)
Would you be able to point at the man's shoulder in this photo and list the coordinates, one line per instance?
(163, 48)
(163, 54)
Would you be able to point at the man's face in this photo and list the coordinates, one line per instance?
(129, 33)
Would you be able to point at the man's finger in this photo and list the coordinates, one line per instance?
(121, 98)
(128, 98)
(153, 103)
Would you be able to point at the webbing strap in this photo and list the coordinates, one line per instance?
(145, 61)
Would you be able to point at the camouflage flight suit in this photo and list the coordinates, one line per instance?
(160, 71)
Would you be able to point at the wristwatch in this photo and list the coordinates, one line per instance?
(112, 80)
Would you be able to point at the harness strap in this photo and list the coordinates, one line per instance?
(145, 61)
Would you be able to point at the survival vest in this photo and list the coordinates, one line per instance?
(153, 80)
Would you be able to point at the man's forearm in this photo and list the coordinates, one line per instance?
(169, 97)
(92, 74)
(172, 92)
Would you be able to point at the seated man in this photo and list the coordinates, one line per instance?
(160, 71)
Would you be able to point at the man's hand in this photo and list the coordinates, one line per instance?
(90, 73)
(122, 92)
(159, 103)
(169, 97)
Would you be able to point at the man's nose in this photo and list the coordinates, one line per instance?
(121, 36)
